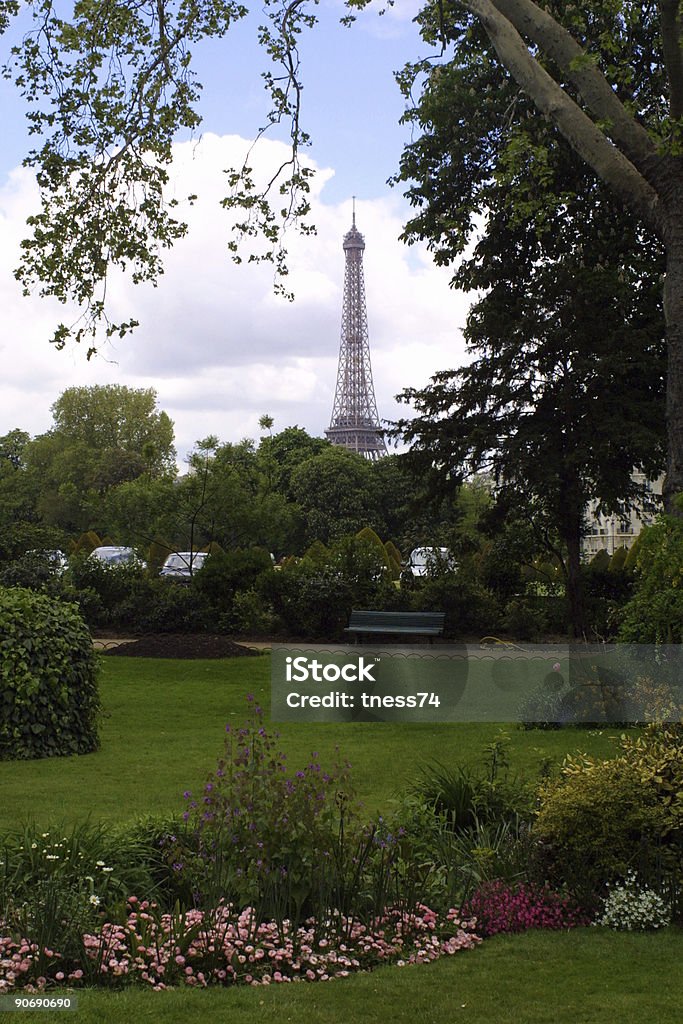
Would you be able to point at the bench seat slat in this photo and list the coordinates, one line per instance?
(404, 623)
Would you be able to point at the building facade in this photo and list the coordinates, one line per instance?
(608, 532)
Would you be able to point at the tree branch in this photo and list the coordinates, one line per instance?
(672, 31)
(608, 162)
(558, 44)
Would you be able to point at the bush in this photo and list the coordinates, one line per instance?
(126, 597)
(229, 573)
(165, 606)
(103, 589)
(35, 570)
(469, 607)
(606, 589)
(525, 620)
(655, 612)
(600, 819)
(251, 615)
(314, 596)
(48, 678)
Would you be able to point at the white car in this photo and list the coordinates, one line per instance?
(113, 554)
(55, 558)
(422, 561)
(183, 564)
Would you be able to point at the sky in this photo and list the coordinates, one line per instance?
(214, 341)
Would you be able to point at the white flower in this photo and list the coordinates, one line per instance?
(630, 907)
(95, 900)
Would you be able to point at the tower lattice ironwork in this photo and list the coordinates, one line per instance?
(355, 422)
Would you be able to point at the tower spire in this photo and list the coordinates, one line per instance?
(355, 421)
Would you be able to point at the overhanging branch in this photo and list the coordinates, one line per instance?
(608, 162)
(597, 93)
(672, 39)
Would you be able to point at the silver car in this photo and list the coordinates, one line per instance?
(183, 564)
(113, 554)
(424, 561)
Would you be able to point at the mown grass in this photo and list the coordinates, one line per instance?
(164, 728)
(586, 976)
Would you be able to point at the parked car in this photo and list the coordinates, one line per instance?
(422, 561)
(183, 564)
(56, 559)
(114, 554)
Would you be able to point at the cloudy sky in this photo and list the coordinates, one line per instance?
(214, 341)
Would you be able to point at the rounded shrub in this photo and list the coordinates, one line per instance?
(602, 818)
(49, 700)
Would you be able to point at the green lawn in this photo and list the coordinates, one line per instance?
(164, 727)
(586, 976)
(163, 731)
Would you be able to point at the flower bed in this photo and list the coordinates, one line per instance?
(500, 907)
(225, 947)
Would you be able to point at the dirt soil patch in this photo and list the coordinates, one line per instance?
(179, 645)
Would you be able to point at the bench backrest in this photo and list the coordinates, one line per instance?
(403, 620)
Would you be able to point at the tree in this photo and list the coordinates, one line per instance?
(102, 436)
(20, 523)
(281, 454)
(409, 516)
(616, 96)
(120, 423)
(337, 494)
(566, 396)
(108, 88)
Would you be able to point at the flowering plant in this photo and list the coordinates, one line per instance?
(287, 843)
(500, 907)
(224, 947)
(630, 906)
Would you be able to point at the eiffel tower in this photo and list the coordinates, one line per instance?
(355, 422)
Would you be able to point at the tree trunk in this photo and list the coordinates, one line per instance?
(673, 312)
(577, 621)
(572, 507)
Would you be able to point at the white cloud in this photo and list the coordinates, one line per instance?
(214, 341)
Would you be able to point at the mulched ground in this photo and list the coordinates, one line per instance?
(179, 645)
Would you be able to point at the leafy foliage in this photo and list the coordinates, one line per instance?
(601, 818)
(48, 678)
(655, 612)
(570, 285)
(314, 595)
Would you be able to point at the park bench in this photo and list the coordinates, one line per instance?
(405, 624)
